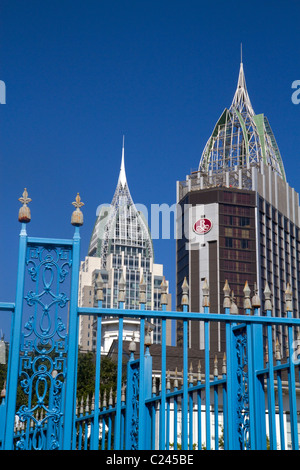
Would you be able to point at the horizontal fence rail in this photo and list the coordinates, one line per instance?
(196, 412)
(244, 395)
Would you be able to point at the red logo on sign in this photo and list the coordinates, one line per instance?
(202, 226)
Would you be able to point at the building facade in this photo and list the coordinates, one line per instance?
(120, 245)
(238, 219)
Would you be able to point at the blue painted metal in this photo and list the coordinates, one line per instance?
(185, 384)
(43, 361)
(15, 343)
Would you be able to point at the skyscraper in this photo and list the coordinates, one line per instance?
(238, 216)
(120, 244)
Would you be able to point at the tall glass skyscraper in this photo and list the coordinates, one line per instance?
(239, 218)
(120, 244)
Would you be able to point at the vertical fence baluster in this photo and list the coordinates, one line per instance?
(99, 299)
(207, 384)
(279, 393)
(153, 415)
(191, 409)
(258, 362)
(229, 356)
(141, 429)
(168, 386)
(15, 344)
(271, 388)
(175, 409)
(225, 410)
(216, 403)
(205, 304)
(117, 421)
(199, 407)
(251, 371)
(291, 372)
(184, 405)
(162, 431)
(69, 425)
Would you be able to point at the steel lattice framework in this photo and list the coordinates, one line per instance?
(241, 138)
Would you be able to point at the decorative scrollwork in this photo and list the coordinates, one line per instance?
(42, 368)
(134, 412)
(243, 413)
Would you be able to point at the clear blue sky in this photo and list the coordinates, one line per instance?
(80, 74)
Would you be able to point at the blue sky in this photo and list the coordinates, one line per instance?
(80, 74)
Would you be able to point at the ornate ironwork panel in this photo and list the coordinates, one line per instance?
(44, 345)
(132, 405)
(243, 411)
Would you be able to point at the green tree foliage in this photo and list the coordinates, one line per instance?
(87, 371)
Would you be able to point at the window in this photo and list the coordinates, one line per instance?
(244, 244)
(244, 221)
(228, 242)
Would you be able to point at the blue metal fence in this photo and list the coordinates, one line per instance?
(249, 401)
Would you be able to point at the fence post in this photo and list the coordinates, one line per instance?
(258, 363)
(99, 299)
(291, 371)
(70, 398)
(231, 392)
(147, 385)
(132, 390)
(185, 304)
(13, 370)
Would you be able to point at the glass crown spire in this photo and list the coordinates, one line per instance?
(120, 226)
(241, 138)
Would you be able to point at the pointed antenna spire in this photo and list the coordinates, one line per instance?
(122, 175)
(241, 98)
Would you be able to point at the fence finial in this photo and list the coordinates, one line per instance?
(267, 295)
(185, 292)
(277, 350)
(247, 301)
(226, 290)
(163, 290)
(142, 295)
(205, 292)
(77, 216)
(24, 211)
(233, 306)
(288, 298)
(216, 372)
(147, 339)
(255, 299)
(132, 345)
(99, 288)
(199, 371)
(224, 365)
(175, 384)
(122, 286)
